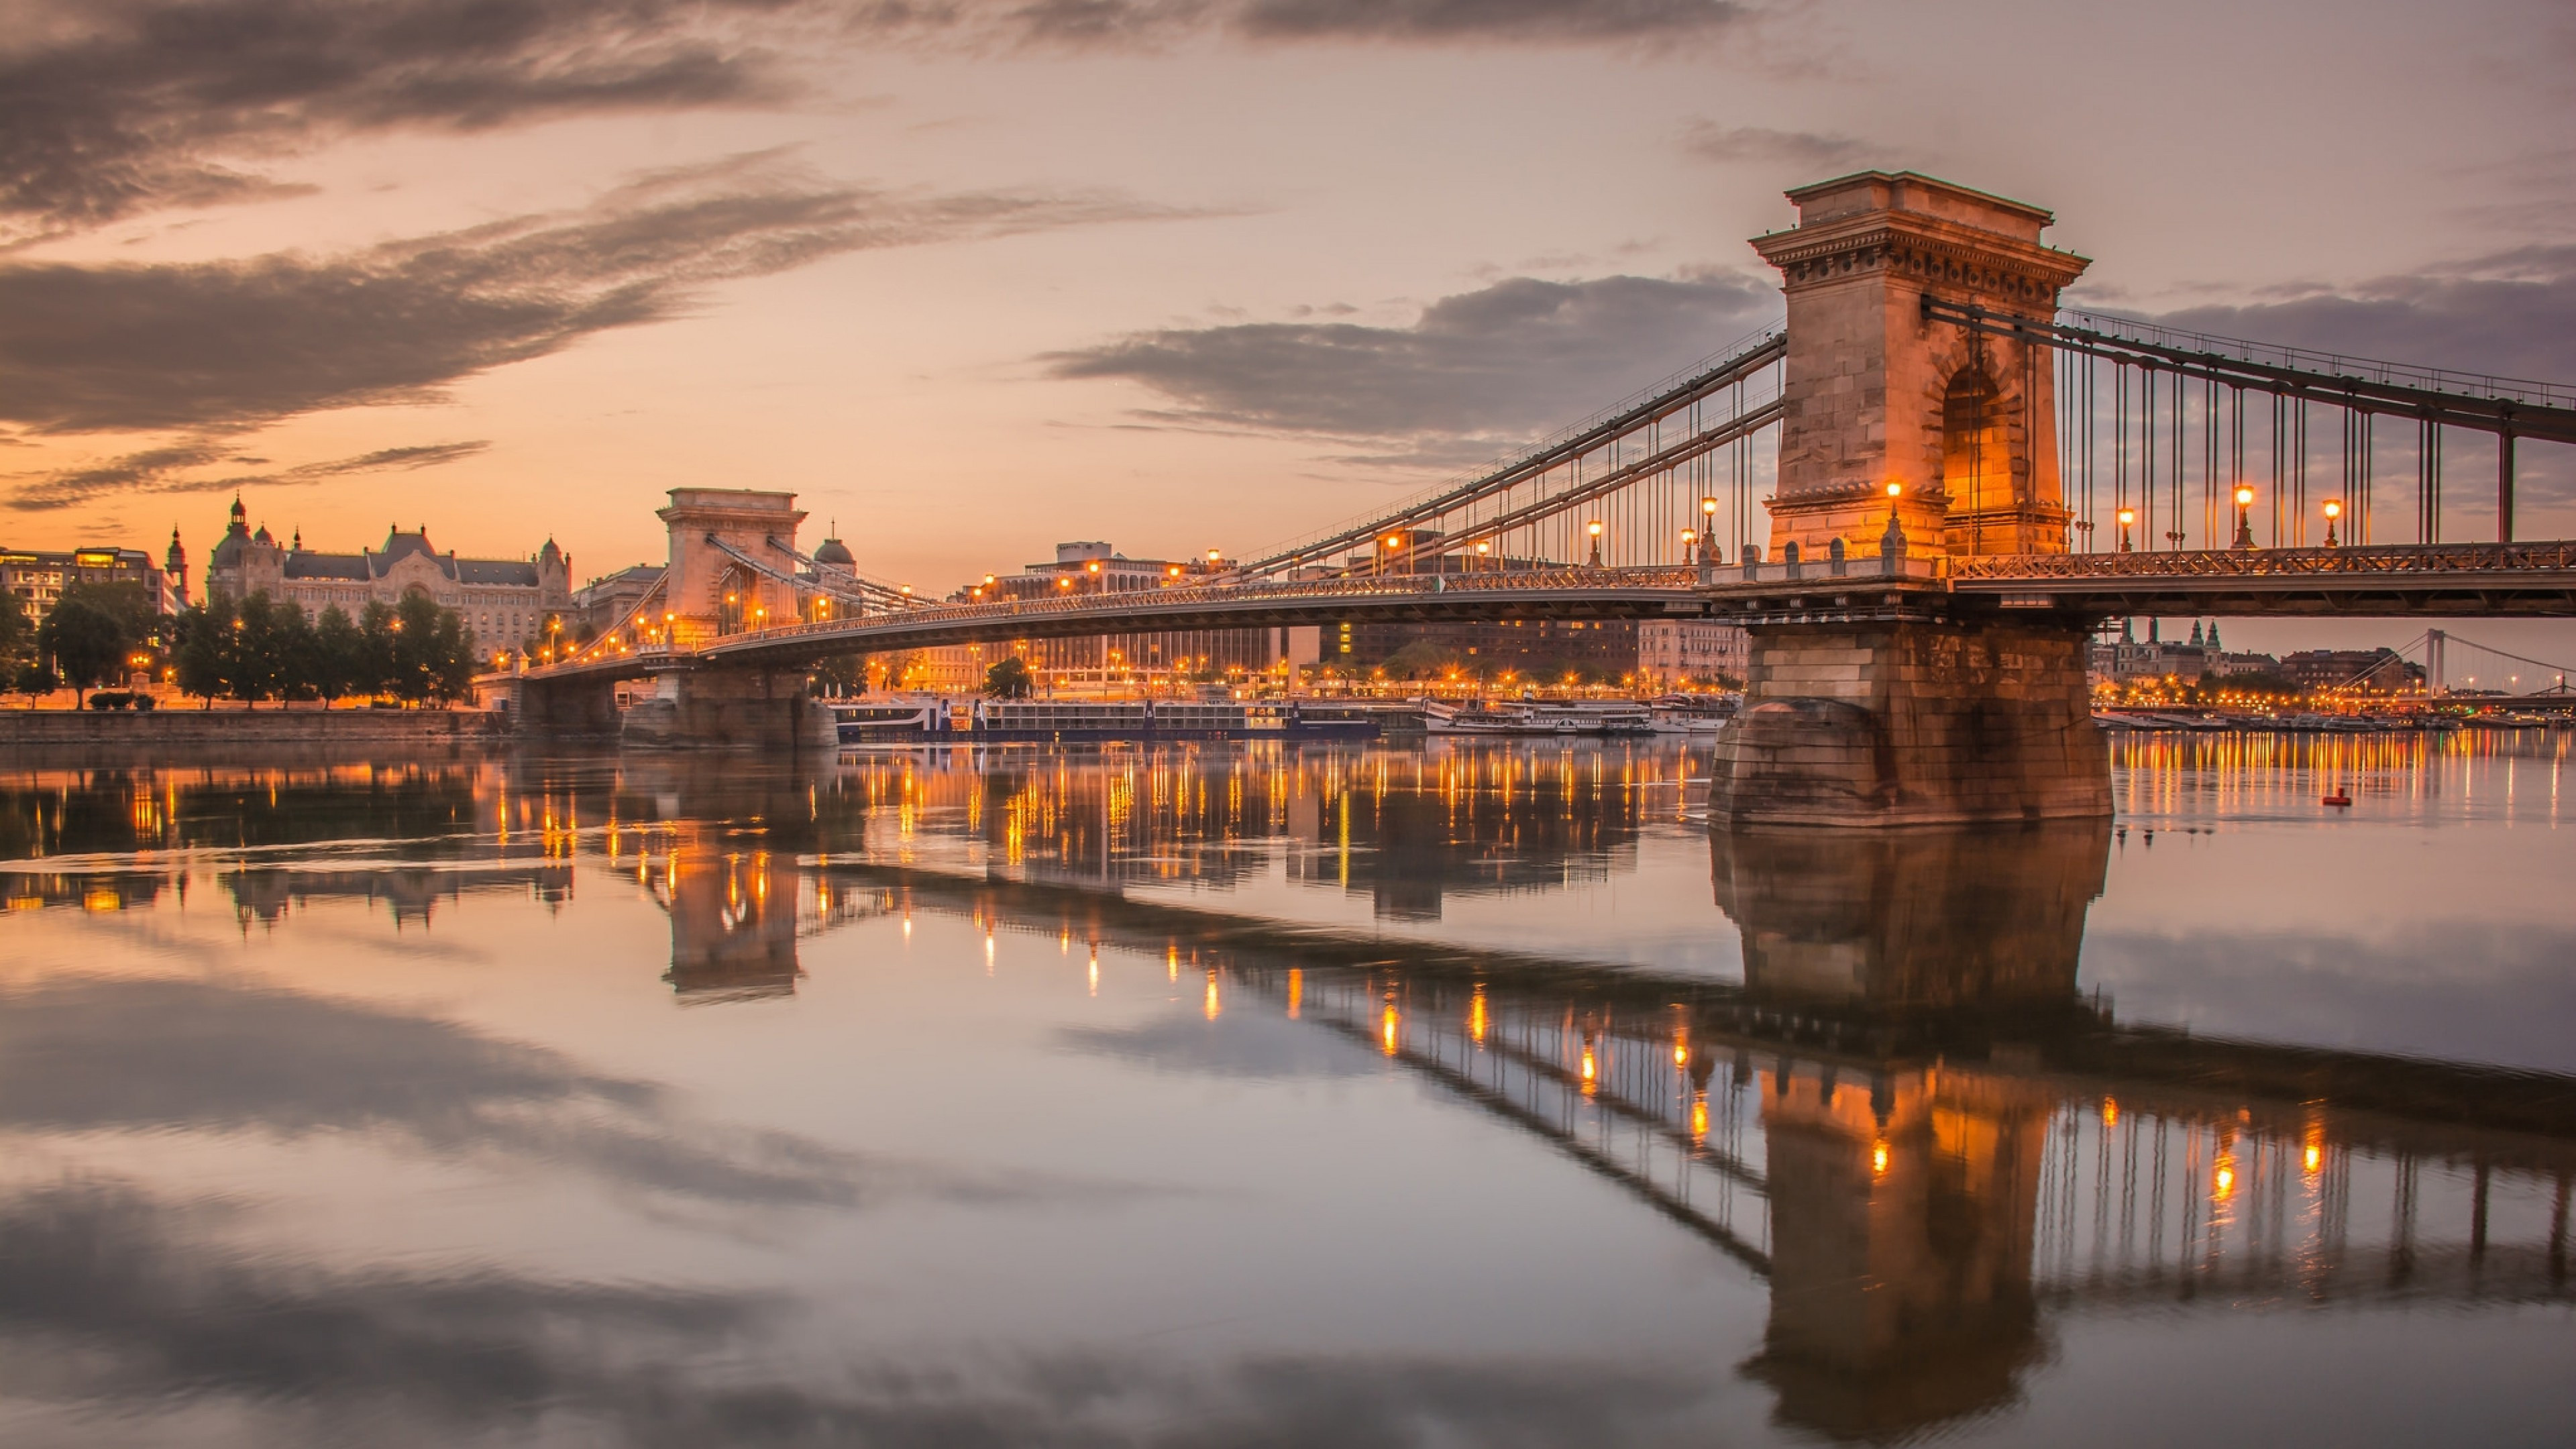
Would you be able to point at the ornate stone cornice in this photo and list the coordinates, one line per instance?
(1922, 248)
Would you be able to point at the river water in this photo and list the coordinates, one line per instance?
(1447, 1095)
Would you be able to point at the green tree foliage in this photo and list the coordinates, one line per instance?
(204, 632)
(1420, 659)
(340, 657)
(253, 665)
(132, 606)
(256, 650)
(84, 643)
(432, 655)
(842, 674)
(17, 637)
(299, 654)
(1008, 679)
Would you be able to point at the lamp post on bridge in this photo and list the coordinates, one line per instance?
(2334, 510)
(1708, 531)
(2127, 516)
(1594, 528)
(2244, 517)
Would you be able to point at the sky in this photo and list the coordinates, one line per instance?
(975, 278)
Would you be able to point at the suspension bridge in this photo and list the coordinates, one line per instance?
(1920, 494)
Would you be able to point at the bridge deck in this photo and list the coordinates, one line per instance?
(2443, 580)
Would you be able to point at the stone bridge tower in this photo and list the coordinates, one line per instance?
(1964, 424)
(712, 593)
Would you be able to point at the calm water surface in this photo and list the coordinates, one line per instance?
(1445, 1096)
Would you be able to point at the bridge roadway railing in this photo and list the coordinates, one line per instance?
(1356, 587)
(2377, 561)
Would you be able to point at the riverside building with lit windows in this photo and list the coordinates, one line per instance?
(1105, 661)
(503, 601)
(38, 576)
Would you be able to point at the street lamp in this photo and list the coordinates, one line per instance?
(1690, 541)
(2334, 510)
(1594, 528)
(1484, 549)
(2129, 516)
(2244, 516)
(1708, 523)
(1891, 544)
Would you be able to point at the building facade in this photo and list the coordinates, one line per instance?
(504, 601)
(1109, 660)
(1672, 653)
(38, 576)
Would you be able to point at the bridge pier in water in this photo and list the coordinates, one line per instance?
(1917, 721)
(714, 707)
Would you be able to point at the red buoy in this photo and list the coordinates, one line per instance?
(2338, 797)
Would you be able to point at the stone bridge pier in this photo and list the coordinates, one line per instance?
(1900, 436)
(714, 707)
(581, 707)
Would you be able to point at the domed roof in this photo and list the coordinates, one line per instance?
(834, 551)
(262, 535)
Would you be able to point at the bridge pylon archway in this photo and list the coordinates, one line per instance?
(1963, 424)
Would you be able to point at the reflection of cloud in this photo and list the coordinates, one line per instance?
(1500, 360)
(1233, 1045)
(109, 1299)
(142, 1055)
(2362, 994)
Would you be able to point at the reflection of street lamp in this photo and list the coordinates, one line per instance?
(2127, 516)
(1594, 528)
(2334, 510)
(2244, 517)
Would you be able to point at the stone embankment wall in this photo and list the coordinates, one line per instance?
(125, 730)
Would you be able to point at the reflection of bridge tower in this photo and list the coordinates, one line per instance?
(733, 927)
(1903, 1201)
(1902, 1211)
(1944, 921)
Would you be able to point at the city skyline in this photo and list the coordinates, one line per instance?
(1175, 276)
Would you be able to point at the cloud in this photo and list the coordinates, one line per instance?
(2512, 314)
(1483, 19)
(172, 469)
(230, 345)
(1710, 141)
(1508, 360)
(109, 108)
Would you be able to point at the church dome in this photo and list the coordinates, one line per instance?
(836, 552)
